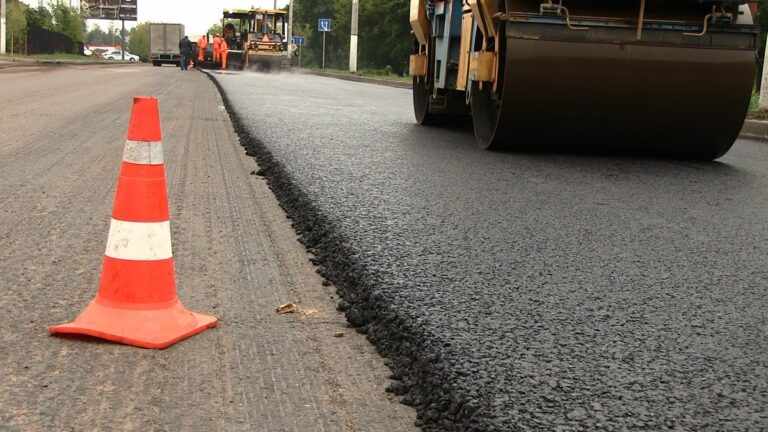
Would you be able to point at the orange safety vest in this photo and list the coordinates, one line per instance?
(202, 42)
(224, 47)
(217, 43)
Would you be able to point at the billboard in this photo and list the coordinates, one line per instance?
(110, 9)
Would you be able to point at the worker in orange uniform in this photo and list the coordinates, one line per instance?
(224, 52)
(217, 48)
(202, 44)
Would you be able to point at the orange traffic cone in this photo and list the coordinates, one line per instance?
(137, 303)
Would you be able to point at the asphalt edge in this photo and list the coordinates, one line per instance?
(417, 374)
(755, 129)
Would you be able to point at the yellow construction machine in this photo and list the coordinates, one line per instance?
(673, 76)
(256, 38)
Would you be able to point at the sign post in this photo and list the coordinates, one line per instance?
(324, 26)
(299, 42)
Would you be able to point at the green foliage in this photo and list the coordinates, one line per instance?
(384, 38)
(40, 17)
(97, 36)
(16, 22)
(139, 41)
(57, 17)
(215, 29)
(67, 20)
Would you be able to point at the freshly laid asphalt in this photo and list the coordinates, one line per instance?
(525, 291)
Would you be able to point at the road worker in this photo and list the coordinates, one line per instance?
(202, 44)
(185, 51)
(217, 48)
(224, 51)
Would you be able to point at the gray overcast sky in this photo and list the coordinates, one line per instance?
(196, 15)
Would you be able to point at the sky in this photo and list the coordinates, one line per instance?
(196, 15)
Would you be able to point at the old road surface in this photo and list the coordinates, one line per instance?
(62, 132)
(526, 291)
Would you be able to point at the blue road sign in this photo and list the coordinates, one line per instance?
(324, 24)
(298, 40)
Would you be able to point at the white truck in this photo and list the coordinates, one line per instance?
(164, 43)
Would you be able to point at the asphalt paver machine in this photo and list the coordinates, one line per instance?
(256, 39)
(669, 75)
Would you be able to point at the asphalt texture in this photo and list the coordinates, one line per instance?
(62, 131)
(545, 290)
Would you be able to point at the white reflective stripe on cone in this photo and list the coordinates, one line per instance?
(143, 152)
(139, 241)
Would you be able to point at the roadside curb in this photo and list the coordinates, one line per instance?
(356, 78)
(755, 129)
(21, 62)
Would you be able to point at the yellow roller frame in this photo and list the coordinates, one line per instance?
(419, 21)
(483, 64)
(483, 11)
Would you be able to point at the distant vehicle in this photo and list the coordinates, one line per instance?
(87, 52)
(164, 43)
(117, 55)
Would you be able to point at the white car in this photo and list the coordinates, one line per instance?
(118, 55)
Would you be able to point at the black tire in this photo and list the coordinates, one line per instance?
(453, 106)
(487, 105)
(155, 63)
(421, 95)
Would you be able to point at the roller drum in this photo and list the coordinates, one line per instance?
(688, 101)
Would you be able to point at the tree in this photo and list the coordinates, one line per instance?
(97, 36)
(16, 22)
(385, 35)
(215, 29)
(39, 17)
(139, 41)
(68, 20)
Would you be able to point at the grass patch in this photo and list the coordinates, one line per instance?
(754, 112)
(55, 56)
(65, 56)
(381, 74)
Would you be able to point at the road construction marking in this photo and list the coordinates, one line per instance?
(143, 152)
(139, 241)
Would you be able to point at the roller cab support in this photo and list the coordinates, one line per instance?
(648, 75)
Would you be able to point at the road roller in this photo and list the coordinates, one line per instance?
(256, 39)
(673, 77)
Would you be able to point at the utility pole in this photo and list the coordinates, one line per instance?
(353, 38)
(290, 28)
(122, 40)
(763, 101)
(2, 26)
